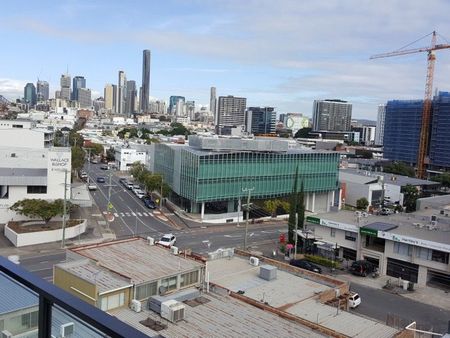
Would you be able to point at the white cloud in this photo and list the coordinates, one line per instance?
(12, 89)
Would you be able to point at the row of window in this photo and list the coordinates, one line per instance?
(422, 253)
(31, 189)
(112, 302)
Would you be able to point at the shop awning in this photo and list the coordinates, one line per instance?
(307, 234)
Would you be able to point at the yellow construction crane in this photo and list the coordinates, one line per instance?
(422, 154)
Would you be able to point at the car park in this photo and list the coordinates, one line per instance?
(168, 240)
(362, 268)
(304, 264)
(101, 179)
(354, 300)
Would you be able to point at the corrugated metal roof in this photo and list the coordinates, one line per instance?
(138, 261)
(14, 297)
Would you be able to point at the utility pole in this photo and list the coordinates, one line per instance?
(238, 211)
(161, 196)
(63, 242)
(247, 206)
(296, 235)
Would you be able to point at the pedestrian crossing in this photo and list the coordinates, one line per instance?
(133, 214)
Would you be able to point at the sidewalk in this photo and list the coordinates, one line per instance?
(426, 295)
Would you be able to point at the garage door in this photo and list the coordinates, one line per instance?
(405, 270)
(438, 279)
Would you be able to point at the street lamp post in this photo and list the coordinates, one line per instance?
(63, 242)
(247, 206)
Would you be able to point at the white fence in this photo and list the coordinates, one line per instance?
(39, 237)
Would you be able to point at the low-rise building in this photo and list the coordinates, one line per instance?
(413, 246)
(111, 275)
(30, 166)
(125, 157)
(375, 186)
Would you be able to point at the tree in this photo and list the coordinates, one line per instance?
(78, 155)
(166, 190)
(443, 178)
(40, 208)
(301, 208)
(96, 148)
(139, 172)
(271, 206)
(110, 155)
(399, 168)
(362, 203)
(153, 182)
(178, 129)
(75, 139)
(410, 196)
(303, 133)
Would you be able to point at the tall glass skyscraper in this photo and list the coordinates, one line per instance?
(29, 93)
(42, 90)
(145, 89)
(440, 132)
(78, 82)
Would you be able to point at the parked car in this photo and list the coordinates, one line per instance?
(168, 240)
(101, 179)
(123, 181)
(92, 187)
(148, 202)
(129, 185)
(362, 268)
(83, 174)
(104, 167)
(304, 264)
(136, 186)
(94, 161)
(139, 193)
(354, 300)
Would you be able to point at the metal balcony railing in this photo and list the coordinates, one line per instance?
(50, 297)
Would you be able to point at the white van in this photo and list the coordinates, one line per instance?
(354, 300)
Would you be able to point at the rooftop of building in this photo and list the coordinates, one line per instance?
(220, 316)
(416, 224)
(367, 176)
(137, 260)
(104, 279)
(294, 294)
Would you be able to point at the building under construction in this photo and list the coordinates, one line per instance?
(403, 124)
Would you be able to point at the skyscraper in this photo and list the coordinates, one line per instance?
(190, 110)
(108, 94)
(145, 91)
(42, 90)
(379, 131)
(115, 91)
(65, 87)
(212, 101)
(29, 94)
(261, 120)
(84, 97)
(332, 115)
(440, 132)
(130, 98)
(173, 101)
(78, 82)
(121, 93)
(230, 112)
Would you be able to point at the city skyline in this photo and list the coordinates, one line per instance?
(299, 52)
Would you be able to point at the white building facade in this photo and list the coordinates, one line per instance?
(379, 131)
(30, 168)
(125, 157)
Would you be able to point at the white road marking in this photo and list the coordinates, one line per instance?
(127, 214)
(134, 214)
(116, 214)
(139, 214)
(122, 214)
(105, 212)
(145, 214)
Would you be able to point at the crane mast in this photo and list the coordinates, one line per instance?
(422, 158)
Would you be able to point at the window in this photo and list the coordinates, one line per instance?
(402, 249)
(36, 189)
(350, 236)
(113, 301)
(146, 290)
(4, 191)
(423, 253)
(439, 256)
(349, 254)
(332, 232)
(169, 283)
(189, 278)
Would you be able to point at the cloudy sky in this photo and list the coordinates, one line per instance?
(280, 53)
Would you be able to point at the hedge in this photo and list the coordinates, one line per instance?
(322, 261)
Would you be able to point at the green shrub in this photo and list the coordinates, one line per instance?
(322, 261)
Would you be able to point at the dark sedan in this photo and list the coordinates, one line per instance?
(304, 264)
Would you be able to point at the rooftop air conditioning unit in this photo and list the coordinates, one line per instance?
(6, 334)
(173, 310)
(150, 240)
(136, 305)
(254, 261)
(66, 330)
(174, 250)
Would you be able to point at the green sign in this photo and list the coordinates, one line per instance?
(368, 231)
(110, 206)
(312, 219)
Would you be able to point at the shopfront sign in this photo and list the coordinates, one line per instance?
(369, 232)
(414, 241)
(59, 160)
(332, 224)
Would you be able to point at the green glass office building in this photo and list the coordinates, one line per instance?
(213, 170)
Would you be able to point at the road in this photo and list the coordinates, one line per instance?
(130, 214)
(42, 265)
(378, 304)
